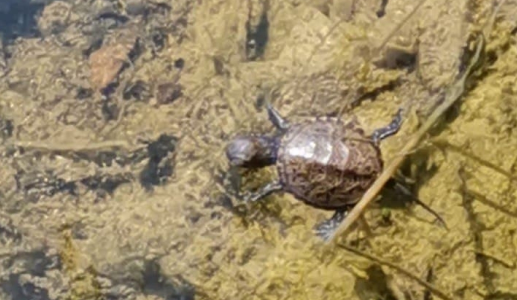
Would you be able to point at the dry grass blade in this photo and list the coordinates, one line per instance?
(73, 147)
(444, 144)
(435, 291)
(452, 96)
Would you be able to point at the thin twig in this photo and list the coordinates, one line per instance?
(444, 144)
(435, 291)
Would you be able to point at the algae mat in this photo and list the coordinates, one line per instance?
(114, 116)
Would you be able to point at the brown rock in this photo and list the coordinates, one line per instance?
(105, 64)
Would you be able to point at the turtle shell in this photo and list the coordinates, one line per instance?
(328, 163)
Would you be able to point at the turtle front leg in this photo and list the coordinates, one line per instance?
(274, 116)
(388, 130)
(264, 191)
(326, 229)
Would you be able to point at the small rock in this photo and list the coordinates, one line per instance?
(179, 63)
(105, 64)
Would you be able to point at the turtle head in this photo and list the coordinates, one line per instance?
(252, 151)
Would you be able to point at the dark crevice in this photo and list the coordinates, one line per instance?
(116, 17)
(41, 183)
(398, 59)
(105, 183)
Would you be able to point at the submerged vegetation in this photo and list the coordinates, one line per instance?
(114, 116)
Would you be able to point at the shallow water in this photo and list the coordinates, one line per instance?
(114, 182)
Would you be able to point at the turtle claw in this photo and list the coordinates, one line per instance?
(326, 229)
(266, 190)
(249, 197)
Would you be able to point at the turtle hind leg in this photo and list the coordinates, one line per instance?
(398, 187)
(274, 116)
(388, 130)
(326, 229)
(263, 192)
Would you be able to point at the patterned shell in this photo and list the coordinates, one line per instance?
(327, 163)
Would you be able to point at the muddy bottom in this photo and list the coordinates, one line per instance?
(114, 116)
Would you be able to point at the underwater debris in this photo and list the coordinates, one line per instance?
(161, 155)
(36, 184)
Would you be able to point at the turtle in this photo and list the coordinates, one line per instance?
(325, 162)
